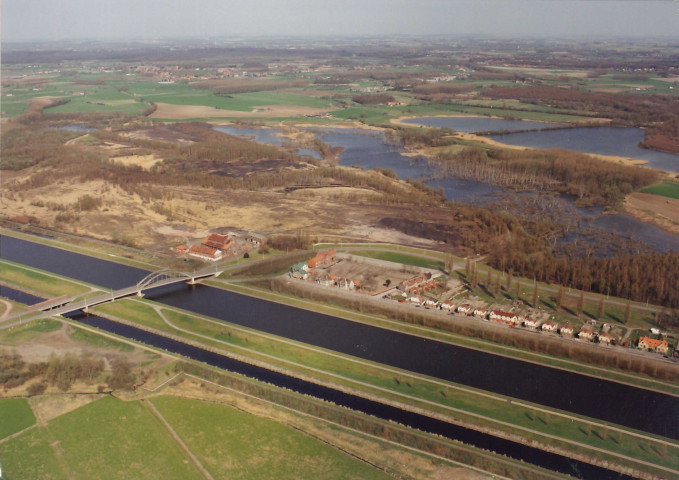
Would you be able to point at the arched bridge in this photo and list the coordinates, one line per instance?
(62, 305)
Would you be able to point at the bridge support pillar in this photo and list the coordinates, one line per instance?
(191, 282)
(139, 294)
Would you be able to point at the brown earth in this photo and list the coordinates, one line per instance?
(184, 112)
(655, 209)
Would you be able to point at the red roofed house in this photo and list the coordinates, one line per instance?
(415, 282)
(465, 309)
(220, 242)
(531, 323)
(549, 327)
(659, 346)
(604, 338)
(503, 317)
(323, 259)
(448, 306)
(206, 253)
(586, 334)
(480, 312)
(180, 249)
(567, 330)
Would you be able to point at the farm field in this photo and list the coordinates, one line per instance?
(109, 436)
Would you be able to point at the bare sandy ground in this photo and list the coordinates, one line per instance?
(183, 112)
(661, 211)
(144, 161)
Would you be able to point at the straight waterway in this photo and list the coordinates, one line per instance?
(571, 392)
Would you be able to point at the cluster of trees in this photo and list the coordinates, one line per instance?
(422, 137)
(60, 371)
(373, 99)
(663, 136)
(648, 110)
(644, 277)
(572, 173)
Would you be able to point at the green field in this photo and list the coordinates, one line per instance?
(232, 444)
(33, 281)
(401, 258)
(99, 341)
(108, 437)
(28, 330)
(665, 189)
(30, 457)
(15, 415)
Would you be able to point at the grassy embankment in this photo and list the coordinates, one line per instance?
(444, 398)
(666, 189)
(15, 415)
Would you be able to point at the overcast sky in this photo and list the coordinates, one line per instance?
(150, 19)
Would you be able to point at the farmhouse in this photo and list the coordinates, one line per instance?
(206, 253)
(659, 346)
(586, 334)
(566, 331)
(549, 327)
(323, 259)
(300, 270)
(220, 242)
(255, 238)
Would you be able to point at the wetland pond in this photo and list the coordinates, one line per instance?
(369, 149)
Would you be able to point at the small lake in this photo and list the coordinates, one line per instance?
(268, 136)
(478, 124)
(616, 141)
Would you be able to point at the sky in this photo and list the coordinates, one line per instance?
(29, 20)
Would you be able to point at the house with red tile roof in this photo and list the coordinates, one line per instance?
(605, 338)
(566, 331)
(480, 312)
(220, 242)
(586, 334)
(323, 259)
(205, 253)
(464, 309)
(504, 317)
(660, 346)
(549, 327)
(531, 323)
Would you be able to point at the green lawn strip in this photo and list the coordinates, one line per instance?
(30, 456)
(461, 340)
(109, 436)
(230, 443)
(401, 258)
(26, 331)
(665, 189)
(402, 382)
(37, 281)
(15, 415)
(441, 393)
(99, 341)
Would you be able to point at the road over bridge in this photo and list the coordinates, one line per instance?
(64, 305)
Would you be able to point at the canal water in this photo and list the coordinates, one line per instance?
(601, 399)
(471, 437)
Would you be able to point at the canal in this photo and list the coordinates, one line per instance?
(568, 391)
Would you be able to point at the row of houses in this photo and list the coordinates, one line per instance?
(418, 283)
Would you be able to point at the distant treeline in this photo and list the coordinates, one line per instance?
(233, 86)
(373, 99)
(563, 171)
